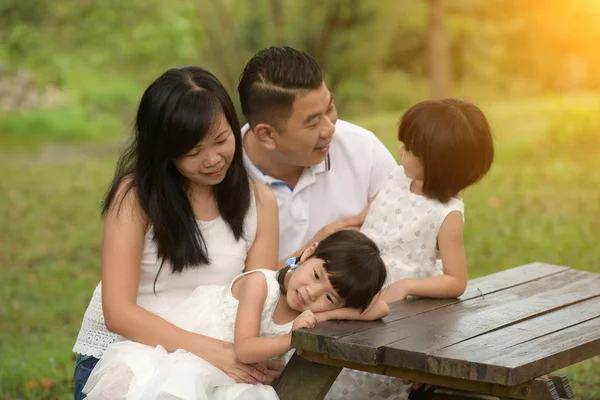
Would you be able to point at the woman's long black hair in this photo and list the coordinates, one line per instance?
(176, 112)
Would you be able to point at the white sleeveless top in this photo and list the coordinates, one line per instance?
(227, 260)
(405, 226)
(212, 310)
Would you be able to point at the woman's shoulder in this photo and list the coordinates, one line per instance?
(263, 195)
(125, 202)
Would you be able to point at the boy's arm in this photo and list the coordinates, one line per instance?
(376, 310)
(248, 345)
(452, 252)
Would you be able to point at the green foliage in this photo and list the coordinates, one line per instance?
(32, 127)
(575, 130)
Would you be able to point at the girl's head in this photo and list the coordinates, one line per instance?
(343, 270)
(186, 136)
(447, 144)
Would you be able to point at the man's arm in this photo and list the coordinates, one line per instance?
(353, 223)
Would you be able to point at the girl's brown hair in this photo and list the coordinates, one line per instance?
(452, 138)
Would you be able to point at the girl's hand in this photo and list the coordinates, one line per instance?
(397, 291)
(224, 358)
(305, 320)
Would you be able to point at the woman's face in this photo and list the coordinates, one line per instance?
(207, 163)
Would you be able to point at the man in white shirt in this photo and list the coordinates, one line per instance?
(323, 171)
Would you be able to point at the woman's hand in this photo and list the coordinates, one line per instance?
(223, 357)
(274, 369)
(305, 320)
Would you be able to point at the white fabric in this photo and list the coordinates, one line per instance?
(358, 385)
(339, 187)
(405, 227)
(133, 371)
(227, 260)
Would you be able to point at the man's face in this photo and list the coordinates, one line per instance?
(309, 130)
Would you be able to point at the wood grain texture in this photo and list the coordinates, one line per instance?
(321, 337)
(305, 380)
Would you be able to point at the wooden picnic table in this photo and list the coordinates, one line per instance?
(505, 332)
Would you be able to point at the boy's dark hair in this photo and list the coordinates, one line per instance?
(177, 111)
(353, 262)
(452, 138)
(270, 82)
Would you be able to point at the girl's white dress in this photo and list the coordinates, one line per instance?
(131, 371)
(405, 227)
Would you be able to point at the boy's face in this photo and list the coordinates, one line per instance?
(309, 129)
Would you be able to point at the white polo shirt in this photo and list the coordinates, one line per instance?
(341, 186)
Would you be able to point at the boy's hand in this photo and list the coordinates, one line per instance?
(305, 320)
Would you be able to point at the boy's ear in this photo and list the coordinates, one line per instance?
(308, 252)
(265, 134)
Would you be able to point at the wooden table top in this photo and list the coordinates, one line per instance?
(507, 328)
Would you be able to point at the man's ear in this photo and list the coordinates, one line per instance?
(308, 252)
(265, 134)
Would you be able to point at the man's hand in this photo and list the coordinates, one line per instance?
(353, 223)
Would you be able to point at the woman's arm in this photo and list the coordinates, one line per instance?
(452, 252)
(123, 243)
(251, 293)
(264, 250)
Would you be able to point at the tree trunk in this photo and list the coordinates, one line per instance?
(278, 21)
(439, 54)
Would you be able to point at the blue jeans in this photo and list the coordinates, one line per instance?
(83, 368)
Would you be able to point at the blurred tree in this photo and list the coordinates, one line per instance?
(439, 55)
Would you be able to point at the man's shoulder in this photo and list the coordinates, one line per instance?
(352, 130)
(350, 138)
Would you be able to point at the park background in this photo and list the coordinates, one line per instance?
(73, 71)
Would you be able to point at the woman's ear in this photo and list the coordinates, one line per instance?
(308, 252)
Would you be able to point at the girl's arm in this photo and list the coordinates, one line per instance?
(376, 310)
(264, 250)
(123, 243)
(452, 252)
(249, 346)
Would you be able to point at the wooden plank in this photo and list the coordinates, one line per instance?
(538, 389)
(305, 380)
(459, 322)
(319, 338)
(419, 351)
(563, 387)
(477, 351)
(552, 352)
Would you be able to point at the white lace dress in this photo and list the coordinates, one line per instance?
(133, 371)
(404, 226)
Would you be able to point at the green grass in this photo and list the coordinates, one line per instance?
(540, 202)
